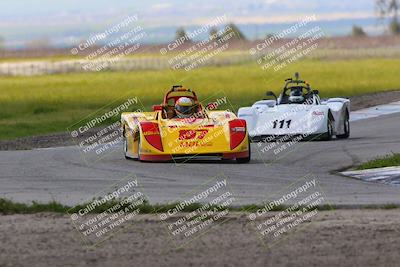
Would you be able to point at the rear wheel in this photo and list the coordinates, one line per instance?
(346, 128)
(246, 159)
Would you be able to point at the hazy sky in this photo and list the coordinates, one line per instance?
(65, 21)
(178, 12)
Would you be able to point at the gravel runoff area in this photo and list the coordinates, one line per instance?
(64, 139)
(332, 238)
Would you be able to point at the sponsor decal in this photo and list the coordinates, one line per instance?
(151, 133)
(318, 113)
(193, 138)
(192, 134)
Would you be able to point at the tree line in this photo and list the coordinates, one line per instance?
(387, 10)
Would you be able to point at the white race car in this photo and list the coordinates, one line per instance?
(297, 112)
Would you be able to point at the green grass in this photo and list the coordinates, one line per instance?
(10, 207)
(386, 161)
(45, 104)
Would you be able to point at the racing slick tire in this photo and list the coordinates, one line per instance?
(346, 128)
(138, 148)
(125, 145)
(246, 159)
(328, 135)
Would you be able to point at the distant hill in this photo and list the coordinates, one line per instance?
(68, 35)
(63, 23)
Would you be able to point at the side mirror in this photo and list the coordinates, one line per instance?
(316, 92)
(157, 108)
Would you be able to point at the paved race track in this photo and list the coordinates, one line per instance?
(63, 175)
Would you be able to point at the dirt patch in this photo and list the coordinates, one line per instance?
(64, 139)
(374, 99)
(44, 141)
(332, 238)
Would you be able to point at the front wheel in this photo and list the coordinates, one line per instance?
(139, 147)
(246, 159)
(328, 135)
(125, 143)
(125, 147)
(346, 128)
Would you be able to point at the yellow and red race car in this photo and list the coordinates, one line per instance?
(162, 136)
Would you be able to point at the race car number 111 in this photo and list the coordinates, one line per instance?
(281, 123)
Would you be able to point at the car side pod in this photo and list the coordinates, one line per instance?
(237, 129)
(152, 134)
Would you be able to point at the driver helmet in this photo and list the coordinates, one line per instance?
(184, 107)
(296, 97)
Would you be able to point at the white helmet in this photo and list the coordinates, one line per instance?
(184, 107)
(296, 97)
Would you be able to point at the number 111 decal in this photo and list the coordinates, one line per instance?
(281, 123)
